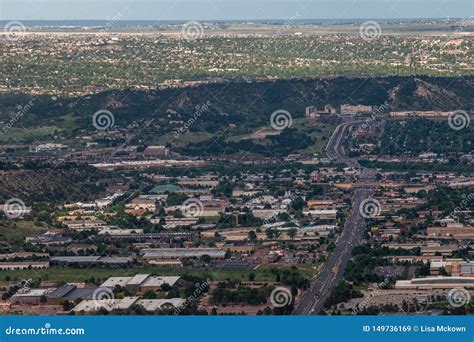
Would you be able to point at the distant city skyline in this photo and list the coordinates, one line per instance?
(230, 9)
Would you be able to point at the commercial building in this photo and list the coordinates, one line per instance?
(181, 253)
(70, 292)
(92, 260)
(435, 283)
(31, 296)
(23, 265)
(140, 282)
(349, 109)
(127, 302)
(457, 231)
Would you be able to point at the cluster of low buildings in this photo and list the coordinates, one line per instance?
(87, 298)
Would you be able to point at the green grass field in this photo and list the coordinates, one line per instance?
(25, 135)
(321, 138)
(59, 274)
(17, 230)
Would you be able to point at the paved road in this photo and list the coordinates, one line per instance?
(333, 270)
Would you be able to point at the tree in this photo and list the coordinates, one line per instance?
(252, 236)
(270, 233)
(165, 287)
(206, 258)
(292, 233)
(149, 295)
(67, 305)
(298, 204)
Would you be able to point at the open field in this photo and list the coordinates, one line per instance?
(293, 25)
(18, 230)
(59, 274)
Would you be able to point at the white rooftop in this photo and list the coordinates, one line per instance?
(113, 281)
(158, 281)
(127, 302)
(140, 280)
(33, 293)
(157, 304)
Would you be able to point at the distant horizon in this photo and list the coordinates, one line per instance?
(225, 10)
(282, 20)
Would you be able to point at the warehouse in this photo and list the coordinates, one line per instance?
(181, 253)
(140, 282)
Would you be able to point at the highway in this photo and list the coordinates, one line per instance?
(332, 271)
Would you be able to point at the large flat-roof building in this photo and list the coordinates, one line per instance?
(435, 283)
(140, 282)
(457, 231)
(127, 302)
(71, 292)
(181, 253)
(23, 265)
(92, 260)
(467, 269)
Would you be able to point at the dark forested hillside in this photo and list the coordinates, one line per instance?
(50, 183)
(250, 103)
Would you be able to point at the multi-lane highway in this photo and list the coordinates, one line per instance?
(333, 270)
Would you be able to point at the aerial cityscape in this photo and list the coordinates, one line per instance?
(237, 167)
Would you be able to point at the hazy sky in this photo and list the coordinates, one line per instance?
(231, 9)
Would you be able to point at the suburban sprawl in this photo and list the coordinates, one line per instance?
(246, 169)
